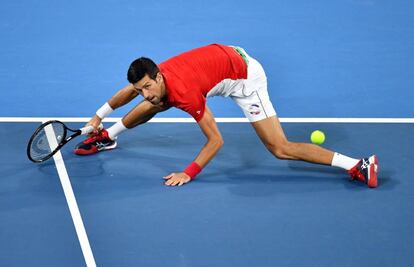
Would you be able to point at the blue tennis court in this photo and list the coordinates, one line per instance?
(246, 209)
(343, 67)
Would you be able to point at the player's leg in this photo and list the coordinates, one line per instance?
(140, 114)
(133, 118)
(271, 134)
(273, 137)
(254, 100)
(106, 139)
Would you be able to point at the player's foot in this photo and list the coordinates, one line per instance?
(366, 171)
(95, 144)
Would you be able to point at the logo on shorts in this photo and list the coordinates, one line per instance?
(254, 109)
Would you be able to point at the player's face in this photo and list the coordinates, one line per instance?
(153, 90)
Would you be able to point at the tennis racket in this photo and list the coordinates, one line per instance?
(49, 138)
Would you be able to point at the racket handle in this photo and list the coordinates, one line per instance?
(86, 130)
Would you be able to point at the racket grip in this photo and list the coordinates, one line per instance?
(86, 130)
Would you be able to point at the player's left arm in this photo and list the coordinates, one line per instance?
(214, 142)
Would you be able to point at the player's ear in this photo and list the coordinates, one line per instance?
(159, 77)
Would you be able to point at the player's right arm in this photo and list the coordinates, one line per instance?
(122, 97)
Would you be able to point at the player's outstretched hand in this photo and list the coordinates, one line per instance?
(179, 179)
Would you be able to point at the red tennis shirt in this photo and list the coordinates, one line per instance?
(191, 75)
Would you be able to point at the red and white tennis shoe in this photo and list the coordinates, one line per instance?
(366, 171)
(95, 143)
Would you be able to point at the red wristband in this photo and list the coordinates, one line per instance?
(192, 170)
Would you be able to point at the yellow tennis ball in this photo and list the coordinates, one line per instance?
(317, 137)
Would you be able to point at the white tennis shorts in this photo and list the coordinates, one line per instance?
(250, 94)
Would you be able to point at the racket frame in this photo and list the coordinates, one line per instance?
(63, 141)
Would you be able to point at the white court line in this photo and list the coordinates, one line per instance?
(71, 200)
(220, 120)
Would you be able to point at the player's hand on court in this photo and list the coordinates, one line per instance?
(96, 123)
(179, 179)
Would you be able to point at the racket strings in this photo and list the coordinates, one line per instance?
(46, 141)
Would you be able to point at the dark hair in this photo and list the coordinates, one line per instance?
(140, 67)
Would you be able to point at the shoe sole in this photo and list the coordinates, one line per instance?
(372, 173)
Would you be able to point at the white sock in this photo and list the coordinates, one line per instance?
(343, 162)
(116, 129)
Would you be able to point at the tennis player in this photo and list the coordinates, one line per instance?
(184, 82)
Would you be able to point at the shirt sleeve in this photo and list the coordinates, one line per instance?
(195, 106)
